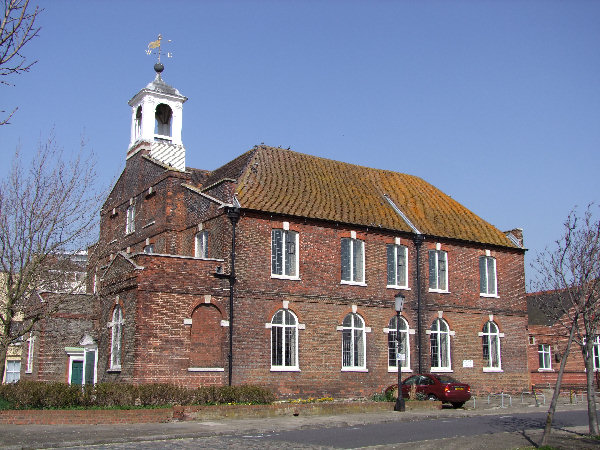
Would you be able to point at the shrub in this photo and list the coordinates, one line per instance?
(39, 395)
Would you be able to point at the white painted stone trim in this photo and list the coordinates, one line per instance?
(206, 369)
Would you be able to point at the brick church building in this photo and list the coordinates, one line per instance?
(281, 269)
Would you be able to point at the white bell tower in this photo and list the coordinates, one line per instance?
(156, 122)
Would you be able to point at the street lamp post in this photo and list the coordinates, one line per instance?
(398, 305)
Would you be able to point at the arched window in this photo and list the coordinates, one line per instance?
(163, 116)
(353, 342)
(206, 337)
(138, 123)
(116, 338)
(491, 346)
(439, 339)
(284, 340)
(393, 344)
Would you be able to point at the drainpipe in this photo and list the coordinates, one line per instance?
(233, 212)
(418, 240)
(234, 215)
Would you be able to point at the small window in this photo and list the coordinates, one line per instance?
(130, 222)
(597, 353)
(201, 244)
(116, 338)
(544, 355)
(438, 271)
(404, 354)
(397, 267)
(284, 254)
(353, 342)
(284, 340)
(491, 346)
(487, 276)
(12, 373)
(439, 339)
(353, 260)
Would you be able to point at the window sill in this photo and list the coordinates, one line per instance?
(149, 224)
(353, 283)
(492, 370)
(438, 291)
(114, 370)
(354, 369)
(284, 277)
(206, 369)
(489, 295)
(285, 369)
(393, 286)
(545, 370)
(441, 370)
(395, 370)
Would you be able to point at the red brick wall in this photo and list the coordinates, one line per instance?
(574, 373)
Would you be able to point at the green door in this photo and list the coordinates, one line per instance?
(77, 372)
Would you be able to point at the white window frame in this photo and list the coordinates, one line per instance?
(405, 332)
(116, 340)
(487, 266)
(544, 351)
(437, 336)
(286, 255)
(489, 334)
(283, 326)
(353, 276)
(355, 331)
(30, 353)
(596, 354)
(398, 250)
(16, 373)
(130, 219)
(201, 244)
(436, 270)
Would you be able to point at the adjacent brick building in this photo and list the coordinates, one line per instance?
(549, 331)
(310, 253)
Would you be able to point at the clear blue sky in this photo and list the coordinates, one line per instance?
(497, 103)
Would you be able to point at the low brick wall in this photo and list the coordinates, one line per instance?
(290, 409)
(84, 416)
(114, 416)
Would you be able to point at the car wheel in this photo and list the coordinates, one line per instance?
(457, 405)
(432, 397)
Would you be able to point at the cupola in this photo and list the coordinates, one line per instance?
(156, 122)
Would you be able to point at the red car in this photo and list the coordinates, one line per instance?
(438, 387)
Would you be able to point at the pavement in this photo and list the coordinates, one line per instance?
(238, 433)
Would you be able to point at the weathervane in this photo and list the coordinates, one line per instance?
(152, 46)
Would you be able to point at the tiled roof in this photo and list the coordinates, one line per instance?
(286, 182)
(545, 308)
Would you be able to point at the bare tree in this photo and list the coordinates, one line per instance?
(572, 272)
(17, 28)
(48, 213)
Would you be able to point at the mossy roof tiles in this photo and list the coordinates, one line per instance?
(282, 181)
